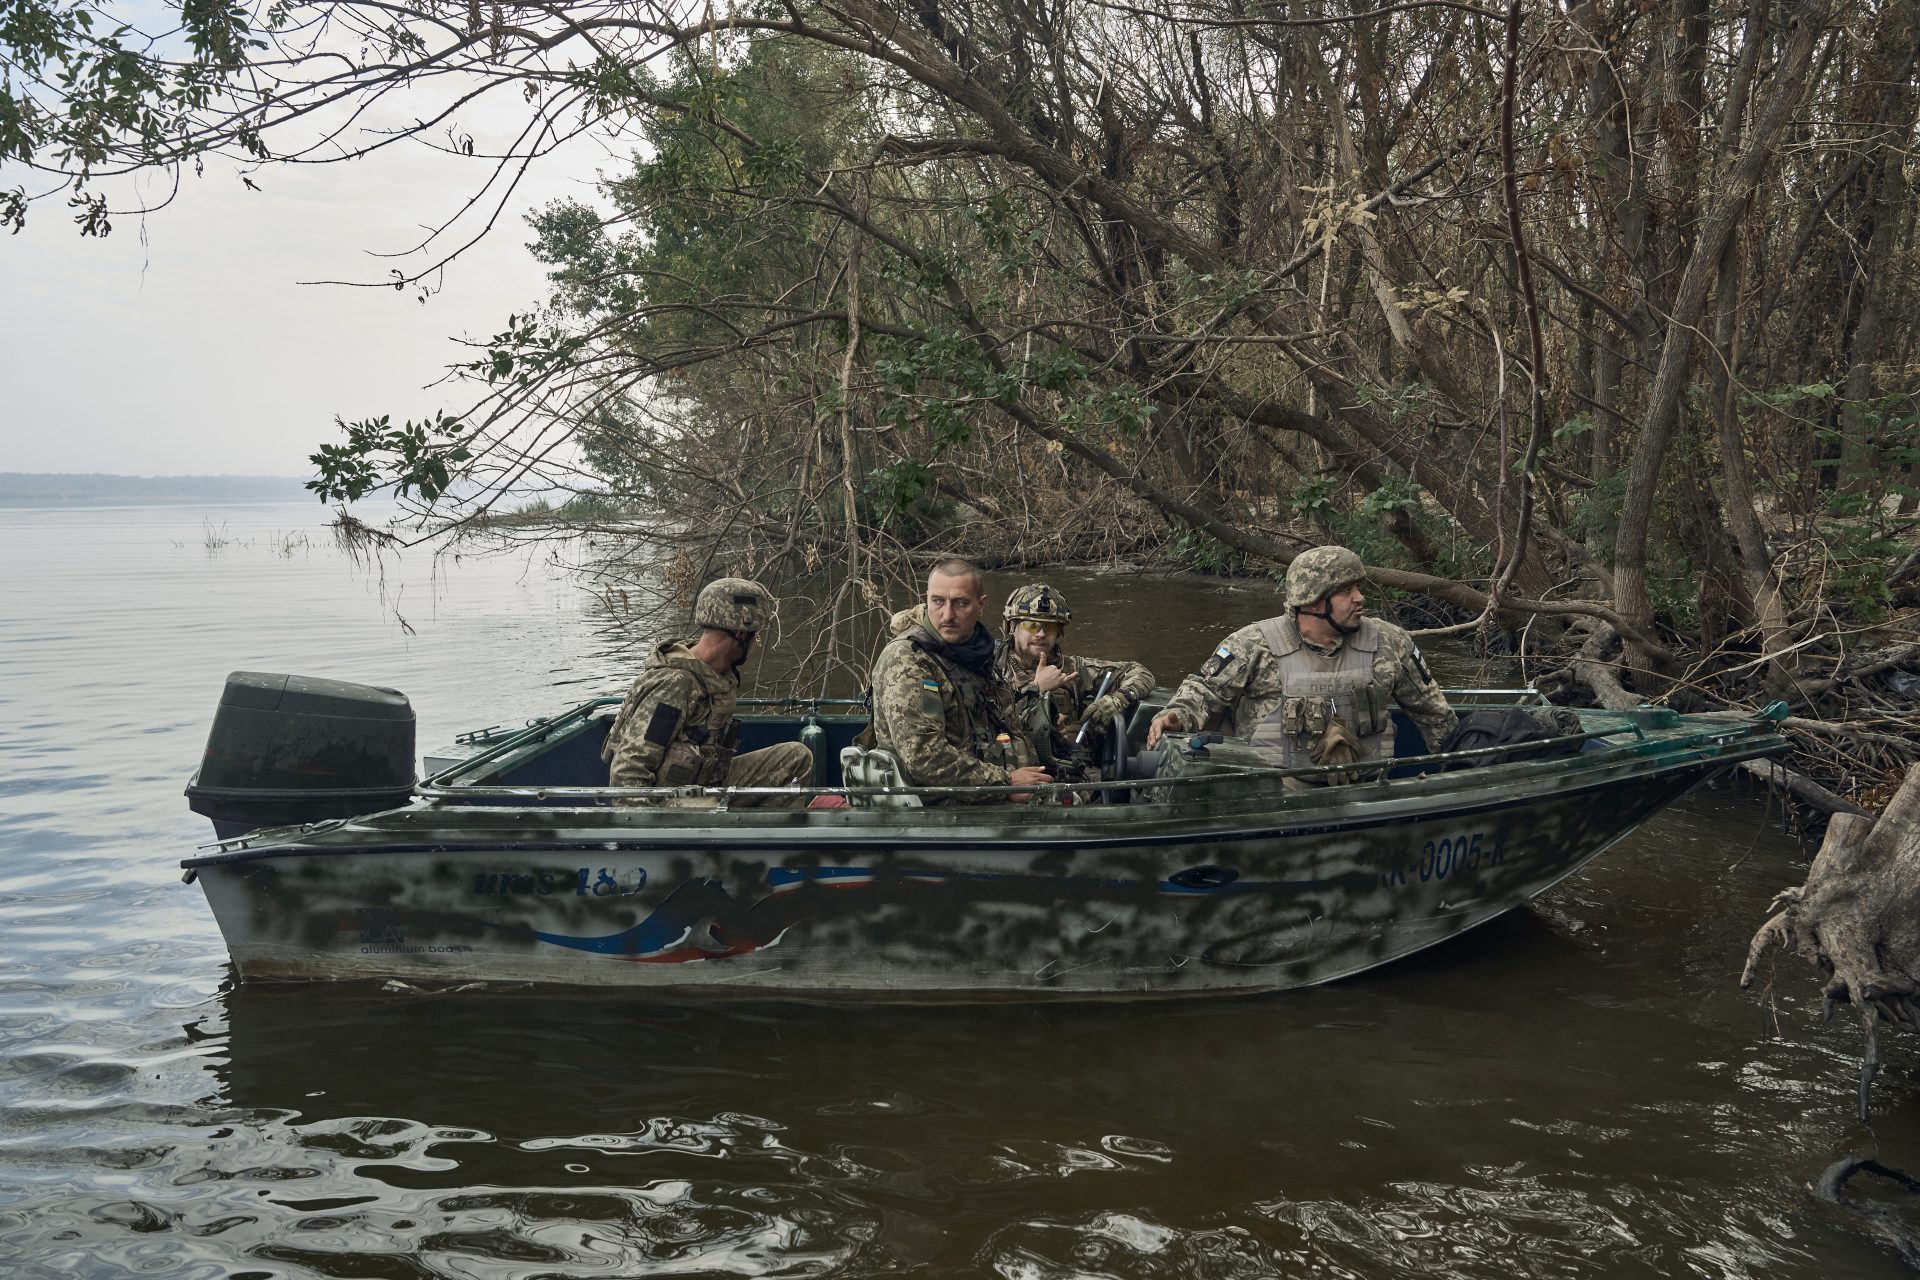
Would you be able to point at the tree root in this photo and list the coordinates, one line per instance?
(1857, 921)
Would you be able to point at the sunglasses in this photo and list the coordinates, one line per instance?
(1048, 628)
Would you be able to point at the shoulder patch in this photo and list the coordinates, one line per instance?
(1420, 665)
(930, 684)
(1214, 665)
(666, 718)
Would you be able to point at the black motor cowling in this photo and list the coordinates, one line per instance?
(286, 749)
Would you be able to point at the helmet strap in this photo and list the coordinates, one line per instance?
(744, 639)
(1326, 615)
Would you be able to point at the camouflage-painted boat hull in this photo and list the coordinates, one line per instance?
(1220, 893)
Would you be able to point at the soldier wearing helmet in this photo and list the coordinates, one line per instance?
(1053, 693)
(676, 727)
(937, 704)
(1312, 686)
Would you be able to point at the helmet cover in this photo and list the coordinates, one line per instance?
(733, 604)
(1037, 602)
(1319, 573)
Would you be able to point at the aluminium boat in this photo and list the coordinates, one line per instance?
(513, 861)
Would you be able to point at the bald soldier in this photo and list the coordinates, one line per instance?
(937, 704)
(676, 727)
(1313, 685)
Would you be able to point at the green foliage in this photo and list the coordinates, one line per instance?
(618, 445)
(1363, 526)
(1396, 493)
(1000, 223)
(82, 92)
(1207, 554)
(1573, 428)
(413, 457)
(1314, 496)
(1788, 397)
(577, 508)
(900, 497)
(1859, 558)
(525, 352)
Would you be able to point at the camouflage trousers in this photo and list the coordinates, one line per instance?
(784, 764)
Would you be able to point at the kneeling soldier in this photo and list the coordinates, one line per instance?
(676, 727)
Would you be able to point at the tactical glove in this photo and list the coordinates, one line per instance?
(1106, 708)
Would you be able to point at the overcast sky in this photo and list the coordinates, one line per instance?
(184, 343)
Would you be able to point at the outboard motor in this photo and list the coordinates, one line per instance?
(289, 749)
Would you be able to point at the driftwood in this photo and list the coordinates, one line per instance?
(1857, 921)
(1878, 1219)
(1589, 666)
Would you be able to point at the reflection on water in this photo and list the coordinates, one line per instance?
(1577, 1089)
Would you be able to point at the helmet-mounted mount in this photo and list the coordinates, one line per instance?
(1037, 602)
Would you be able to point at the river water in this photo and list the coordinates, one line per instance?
(1578, 1089)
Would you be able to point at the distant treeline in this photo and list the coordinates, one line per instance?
(19, 488)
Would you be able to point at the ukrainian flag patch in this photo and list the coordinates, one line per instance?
(930, 684)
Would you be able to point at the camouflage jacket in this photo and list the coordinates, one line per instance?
(1072, 698)
(1242, 681)
(678, 707)
(942, 720)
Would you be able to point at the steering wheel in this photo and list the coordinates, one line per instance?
(1112, 753)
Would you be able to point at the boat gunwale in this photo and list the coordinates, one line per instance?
(1372, 812)
(538, 731)
(1680, 734)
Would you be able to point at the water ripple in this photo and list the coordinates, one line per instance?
(1577, 1090)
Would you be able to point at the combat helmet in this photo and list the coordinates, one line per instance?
(1037, 602)
(733, 604)
(1320, 572)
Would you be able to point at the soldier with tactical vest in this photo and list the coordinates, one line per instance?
(676, 727)
(1054, 694)
(1314, 685)
(937, 704)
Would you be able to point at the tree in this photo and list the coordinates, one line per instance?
(1501, 296)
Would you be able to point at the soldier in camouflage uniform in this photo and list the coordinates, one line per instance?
(676, 727)
(1313, 685)
(1052, 693)
(937, 705)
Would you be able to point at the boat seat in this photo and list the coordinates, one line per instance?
(873, 767)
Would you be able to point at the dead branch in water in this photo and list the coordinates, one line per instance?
(1590, 667)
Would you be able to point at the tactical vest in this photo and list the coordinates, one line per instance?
(1070, 699)
(1036, 712)
(702, 749)
(702, 755)
(971, 701)
(1316, 689)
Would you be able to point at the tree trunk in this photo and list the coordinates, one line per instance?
(1664, 406)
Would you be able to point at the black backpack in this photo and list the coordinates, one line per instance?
(1511, 726)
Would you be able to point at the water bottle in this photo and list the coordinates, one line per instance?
(814, 739)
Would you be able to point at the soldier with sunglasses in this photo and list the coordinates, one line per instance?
(1053, 692)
